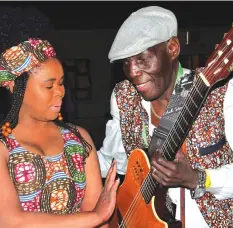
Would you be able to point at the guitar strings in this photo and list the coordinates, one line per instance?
(128, 216)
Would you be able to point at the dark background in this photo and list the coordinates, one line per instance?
(111, 14)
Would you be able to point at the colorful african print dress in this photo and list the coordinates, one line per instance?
(51, 184)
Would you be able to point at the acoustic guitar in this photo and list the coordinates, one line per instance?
(140, 200)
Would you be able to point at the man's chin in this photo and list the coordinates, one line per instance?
(150, 97)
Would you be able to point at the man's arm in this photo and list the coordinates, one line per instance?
(222, 178)
(112, 144)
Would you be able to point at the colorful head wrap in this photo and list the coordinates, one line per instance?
(22, 58)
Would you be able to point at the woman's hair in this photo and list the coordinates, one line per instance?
(18, 25)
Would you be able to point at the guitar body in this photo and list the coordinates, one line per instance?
(141, 214)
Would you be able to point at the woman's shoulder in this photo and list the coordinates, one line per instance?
(4, 151)
(83, 132)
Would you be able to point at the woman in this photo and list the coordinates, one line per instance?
(49, 170)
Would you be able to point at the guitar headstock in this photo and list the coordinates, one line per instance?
(220, 63)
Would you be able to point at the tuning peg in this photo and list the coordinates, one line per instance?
(216, 45)
(230, 68)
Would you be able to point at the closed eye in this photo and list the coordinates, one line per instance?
(61, 82)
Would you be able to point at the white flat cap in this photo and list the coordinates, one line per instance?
(143, 29)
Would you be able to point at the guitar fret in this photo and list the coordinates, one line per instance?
(171, 143)
(170, 149)
(177, 134)
(193, 101)
(174, 141)
(180, 127)
(183, 118)
(188, 110)
(194, 86)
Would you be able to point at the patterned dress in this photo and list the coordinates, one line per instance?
(50, 184)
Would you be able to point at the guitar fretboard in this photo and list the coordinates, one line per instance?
(179, 131)
(185, 119)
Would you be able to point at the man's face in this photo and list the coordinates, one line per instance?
(151, 71)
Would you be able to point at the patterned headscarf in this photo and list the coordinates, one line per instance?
(22, 58)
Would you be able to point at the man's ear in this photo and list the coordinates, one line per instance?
(173, 47)
(11, 85)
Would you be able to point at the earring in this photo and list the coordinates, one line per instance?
(6, 130)
(60, 117)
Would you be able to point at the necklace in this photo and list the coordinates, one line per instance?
(155, 114)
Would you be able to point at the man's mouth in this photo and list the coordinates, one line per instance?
(141, 85)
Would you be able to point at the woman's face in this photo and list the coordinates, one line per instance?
(44, 91)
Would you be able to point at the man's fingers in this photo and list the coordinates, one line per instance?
(163, 179)
(180, 155)
(159, 160)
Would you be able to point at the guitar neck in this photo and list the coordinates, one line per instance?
(176, 136)
(185, 119)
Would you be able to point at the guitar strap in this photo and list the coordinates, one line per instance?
(176, 102)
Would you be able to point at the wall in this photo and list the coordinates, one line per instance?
(94, 45)
(202, 40)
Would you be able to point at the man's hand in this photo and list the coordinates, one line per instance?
(177, 173)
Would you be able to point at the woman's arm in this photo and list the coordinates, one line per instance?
(93, 176)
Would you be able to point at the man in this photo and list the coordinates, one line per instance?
(148, 46)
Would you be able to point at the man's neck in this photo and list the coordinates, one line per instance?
(169, 91)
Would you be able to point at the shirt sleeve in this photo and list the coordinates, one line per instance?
(228, 113)
(222, 178)
(112, 144)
